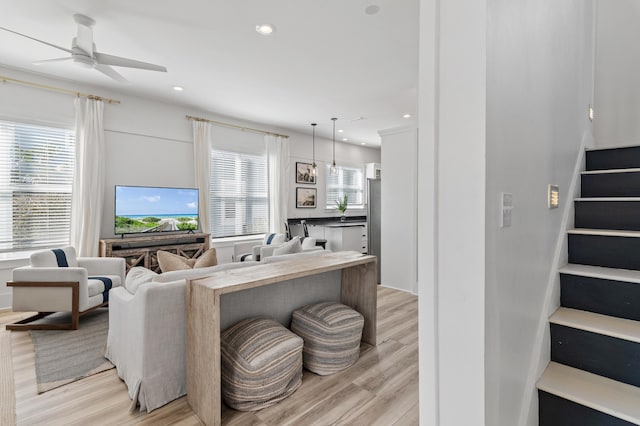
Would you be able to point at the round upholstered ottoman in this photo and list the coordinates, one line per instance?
(261, 364)
(331, 333)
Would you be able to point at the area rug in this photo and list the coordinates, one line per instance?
(7, 389)
(65, 356)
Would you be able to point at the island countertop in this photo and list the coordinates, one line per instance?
(342, 224)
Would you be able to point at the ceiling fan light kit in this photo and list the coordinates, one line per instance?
(83, 52)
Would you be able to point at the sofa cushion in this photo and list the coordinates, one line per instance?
(191, 274)
(138, 276)
(172, 262)
(60, 257)
(289, 247)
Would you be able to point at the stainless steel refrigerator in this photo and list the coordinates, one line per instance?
(374, 220)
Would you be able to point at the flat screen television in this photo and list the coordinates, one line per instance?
(144, 209)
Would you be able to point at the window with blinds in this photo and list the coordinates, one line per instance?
(349, 180)
(36, 175)
(239, 194)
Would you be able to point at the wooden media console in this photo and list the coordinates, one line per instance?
(142, 250)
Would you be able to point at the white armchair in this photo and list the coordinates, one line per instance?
(251, 250)
(57, 281)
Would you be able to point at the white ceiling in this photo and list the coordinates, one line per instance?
(325, 59)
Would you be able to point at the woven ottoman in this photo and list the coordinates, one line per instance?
(261, 364)
(331, 333)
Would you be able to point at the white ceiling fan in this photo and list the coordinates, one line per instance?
(83, 52)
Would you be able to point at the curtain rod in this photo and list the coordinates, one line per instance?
(58, 89)
(190, 117)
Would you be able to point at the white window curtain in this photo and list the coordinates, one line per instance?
(88, 181)
(202, 143)
(279, 178)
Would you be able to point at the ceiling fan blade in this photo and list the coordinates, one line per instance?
(110, 72)
(117, 61)
(39, 41)
(46, 61)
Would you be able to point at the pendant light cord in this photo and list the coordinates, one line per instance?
(334, 169)
(313, 166)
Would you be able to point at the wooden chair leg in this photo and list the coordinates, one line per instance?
(25, 324)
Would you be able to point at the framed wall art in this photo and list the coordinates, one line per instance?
(306, 198)
(303, 173)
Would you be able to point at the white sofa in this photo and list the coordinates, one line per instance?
(147, 332)
(147, 322)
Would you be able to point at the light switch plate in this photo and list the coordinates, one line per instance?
(506, 206)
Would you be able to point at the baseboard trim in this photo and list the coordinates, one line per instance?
(404, 290)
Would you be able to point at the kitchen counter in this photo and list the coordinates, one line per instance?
(342, 224)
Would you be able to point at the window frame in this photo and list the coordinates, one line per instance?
(361, 188)
(241, 156)
(55, 143)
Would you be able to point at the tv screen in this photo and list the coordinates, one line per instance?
(143, 209)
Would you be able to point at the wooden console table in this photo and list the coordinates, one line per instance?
(358, 290)
(142, 250)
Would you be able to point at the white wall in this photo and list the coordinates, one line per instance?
(451, 224)
(399, 208)
(150, 143)
(348, 155)
(539, 85)
(617, 80)
(483, 289)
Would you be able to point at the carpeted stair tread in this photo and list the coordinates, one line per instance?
(597, 392)
(614, 274)
(602, 324)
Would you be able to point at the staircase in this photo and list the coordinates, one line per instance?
(594, 374)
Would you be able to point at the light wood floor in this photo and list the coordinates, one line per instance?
(380, 389)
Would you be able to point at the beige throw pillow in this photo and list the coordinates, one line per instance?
(173, 262)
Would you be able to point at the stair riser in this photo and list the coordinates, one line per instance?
(607, 297)
(610, 252)
(556, 411)
(606, 356)
(616, 158)
(611, 185)
(623, 215)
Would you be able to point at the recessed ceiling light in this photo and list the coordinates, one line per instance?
(344, 139)
(372, 9)
(363, 143)
(265, 29)
(340, 131)
(177, 88)
(406, 116)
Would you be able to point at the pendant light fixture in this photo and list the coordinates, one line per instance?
(334, 169)
(314, 167)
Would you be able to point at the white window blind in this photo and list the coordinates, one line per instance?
(36, 174)
(348, 181)
(239, 194)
